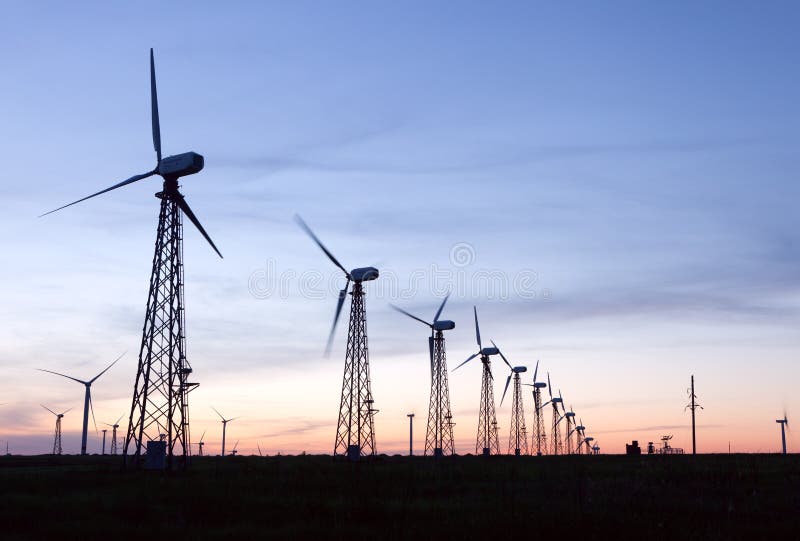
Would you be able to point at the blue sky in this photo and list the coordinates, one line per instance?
(639, 160)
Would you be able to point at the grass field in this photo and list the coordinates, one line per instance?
(313, 497)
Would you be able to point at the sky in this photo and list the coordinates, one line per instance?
(611, 184)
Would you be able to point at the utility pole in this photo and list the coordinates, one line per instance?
(104, 440)
(693, 405)
(410, 434)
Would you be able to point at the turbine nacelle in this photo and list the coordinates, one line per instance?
(519, 369)
(556, 400)
(569, 413)
(539, 385)
(444, 325)
(580, 428)
(364, 274)
(180, 165)
(489, 351)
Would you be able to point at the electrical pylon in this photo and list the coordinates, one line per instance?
(517, 436)
(439, 435)
(693, 405)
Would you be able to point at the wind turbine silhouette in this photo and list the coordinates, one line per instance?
(87, 401)
(224, 427)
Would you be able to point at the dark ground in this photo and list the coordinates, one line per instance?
(313, 497)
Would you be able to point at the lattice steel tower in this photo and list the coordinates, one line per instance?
(113, 449)
(539, 439)
(487, 442)
(570, 417)
(556, 443)
(517, 436)
(160, 406)
(57, 434)
(439, 434)
(355, 430)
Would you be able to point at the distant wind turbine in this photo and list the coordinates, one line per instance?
(87, 402)
(224, 427)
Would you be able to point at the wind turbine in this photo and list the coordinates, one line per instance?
(57, 437)
(570, 416)
(539, 433)
(579, 429)
(224, 428)
(160, 402)
(784, 423)
(439, 435)
(487, 441)
(200, 444)
(555, 434)
(114, 428)
(87, 400)
(588, 440)
(235, 445)
(517, 437)
(355, 431)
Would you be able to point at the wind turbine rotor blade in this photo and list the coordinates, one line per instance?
(412, 316)
(184, 206)
(536, 371)
(508, 380)
(465, 362)
(441, 307)
(543, 405)
(106, 370)
(430, 350)
(477, 328)
(114, 187)
(204, 435)
(501, 355)
(234, 418)
(311, 234)
(549, 387)
(65, 411)
(62, 375)
(154, 107)
(91, 408)
(339, 304)
(118, 420)
(218, 413)
(48, 409)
